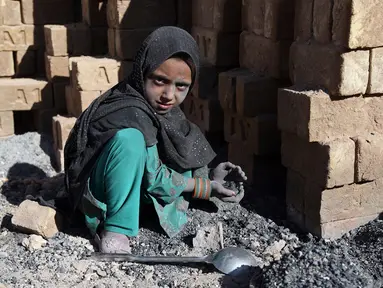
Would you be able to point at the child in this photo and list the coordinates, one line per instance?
(133, 144)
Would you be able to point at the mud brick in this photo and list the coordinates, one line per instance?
(217, 48)
(82, 99)
(62, 126)
(222, 15)
(253, 16)
(7, 67)
(41, 12)
(12, 13)
(124, 14)
(112, 42)
(230, 127)
(59, 159)
(69, 100)
(125, 69)
(184, 14)
(207, 84)
(129, 41)
(227, 88)
(369, 152)
(6, 123)
(295, 197)
(375, 83)
(79, 39)
(25, 63)
(56, 40)
(99, 41)
(329, 164)
(57, 67)
(256, 95)
(357, 23)
(303, 20)
(264, 56)
(94, 12)
(279, 19)
(312, 115)
(59, 95)
(336, 229)
(341, 73)
(23, 37)
(259, 135)
(322, 20)
(95, 73)
(25, 94)
(347, 202)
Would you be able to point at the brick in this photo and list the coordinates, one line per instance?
(59, 95)
(25, 63)
(206, 114)
(347, 202)
(303, 22)
(62, 126)
(69, 100)
(6, 123)
(259, 135)
(12, 13)
(206, 87)
(221, 15)
(125, 69)
(25, 94)
(264, 56)
(112, 42)
(322, 20)
(41, 12)
(369, 155)
(59, 159)
(227, 88)
(312, 116)
(99, 41)
(23, 37)
(324, 66)
(141, 14)
(94, 13)
(336, 229)
(216, 48)
(256, 95)
(95, 73)
(82, 99)
(56, 40)
(33, 218)
(129, 41)
(375, 83)
(253, 16)
(7, 67)
(279, 19)
(79, 39)
(329, 164)
(357, 24)
(230, 127)
(184, 14)
(57, 67)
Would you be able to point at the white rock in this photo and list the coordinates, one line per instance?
(34, 242)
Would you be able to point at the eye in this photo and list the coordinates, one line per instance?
(158, 81)
(182, 87)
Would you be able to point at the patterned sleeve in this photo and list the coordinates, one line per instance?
(161, 181)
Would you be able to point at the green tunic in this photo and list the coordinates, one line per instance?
(126, 173)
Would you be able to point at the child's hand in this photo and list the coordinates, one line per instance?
(226, 195)
(227, 171)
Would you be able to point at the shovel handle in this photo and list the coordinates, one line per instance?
(124, 257)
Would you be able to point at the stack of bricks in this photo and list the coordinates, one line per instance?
(22, 84)
(331, 118)
(216, 29)
(248, 94)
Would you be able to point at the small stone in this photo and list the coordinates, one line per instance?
(207, 238)
(3, 254)
(33, 242)
(275, 249)
(101, 273)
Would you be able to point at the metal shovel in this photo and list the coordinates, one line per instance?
(226, 260)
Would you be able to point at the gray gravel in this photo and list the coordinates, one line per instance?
(288, 259)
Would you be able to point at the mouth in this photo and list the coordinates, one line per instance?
(164, 106)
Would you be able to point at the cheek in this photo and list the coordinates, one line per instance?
(181, 95)
(152, 91)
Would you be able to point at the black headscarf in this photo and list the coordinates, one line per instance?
(181, 144)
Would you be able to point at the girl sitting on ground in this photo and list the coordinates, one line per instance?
(133, 145)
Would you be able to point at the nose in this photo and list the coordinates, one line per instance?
(169, 93)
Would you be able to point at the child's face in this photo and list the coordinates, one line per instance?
(168, 85)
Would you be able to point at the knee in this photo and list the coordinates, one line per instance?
(129, 141)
